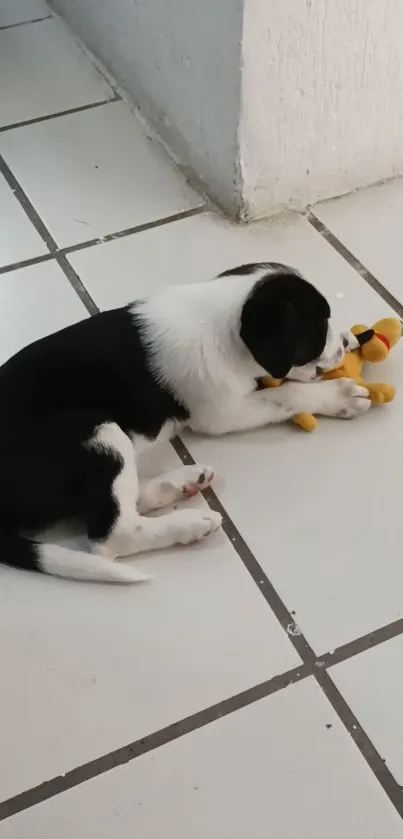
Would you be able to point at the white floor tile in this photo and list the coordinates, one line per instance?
(372, 683)
(369, 223)
(44, 71)
(308, 507)
(273, 769)
(18, 237)
(106, 665)
(34, 302)
(95, 172)
(198, 248)
(17, 11)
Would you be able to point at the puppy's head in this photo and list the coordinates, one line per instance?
(285, 325)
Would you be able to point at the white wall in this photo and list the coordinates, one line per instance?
(180, 61)
(310, 107)
(322, 99)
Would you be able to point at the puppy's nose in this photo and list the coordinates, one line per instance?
(319, 371)
(339, 353)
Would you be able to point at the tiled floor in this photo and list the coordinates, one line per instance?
(255, 688)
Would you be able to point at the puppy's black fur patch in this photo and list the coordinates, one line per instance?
(53, 396)
(244, 270)
(284, 323)
(99, 364)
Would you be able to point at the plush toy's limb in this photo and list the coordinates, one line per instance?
(379, 393)
(266, 381)
(305, 421)
(338, 373)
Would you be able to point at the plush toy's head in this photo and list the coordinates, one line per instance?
(386, 333)
(373, 346)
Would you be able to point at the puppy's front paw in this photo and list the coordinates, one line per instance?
(345, 399)
(195, 479)
(193, 525)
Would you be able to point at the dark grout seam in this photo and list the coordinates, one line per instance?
(303, 648)
(392, 630)
(362, 644)
(311, 664)
(49, 117)
(266, 588)
(25, 22)
(26, 204)
(139, 747)
(50, 243)
(90, 243)
(139, 228)
(283, 615)
(355, 263)
(77, 285)
(121, 756)
(26, 263)
(374, 760)
(59, 254)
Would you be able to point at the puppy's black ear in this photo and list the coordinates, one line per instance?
(269, 327)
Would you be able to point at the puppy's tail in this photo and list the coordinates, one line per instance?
(59, 561)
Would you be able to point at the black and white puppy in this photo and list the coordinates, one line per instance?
(78, 406)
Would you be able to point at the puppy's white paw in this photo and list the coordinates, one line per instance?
(194, 479)
(176, 485)
(193, 525)
(334, 398)
(343, 398)
(186, 481)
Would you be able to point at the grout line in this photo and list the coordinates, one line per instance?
(59, 254)
(26, 204)
(26, 263)
(370, 754)
(362, 644)
(25, 22)
(41, 228)
(374, 760)
(355, 263)
(90, 243)
(77, 285)
(123, 755)
(268, 591)
(139, 228)
(48, 117)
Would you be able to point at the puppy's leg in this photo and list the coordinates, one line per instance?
(176, 485)
(342, 398)
(115, 528)
(337, 398)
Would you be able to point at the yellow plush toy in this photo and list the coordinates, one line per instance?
(378, 341)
